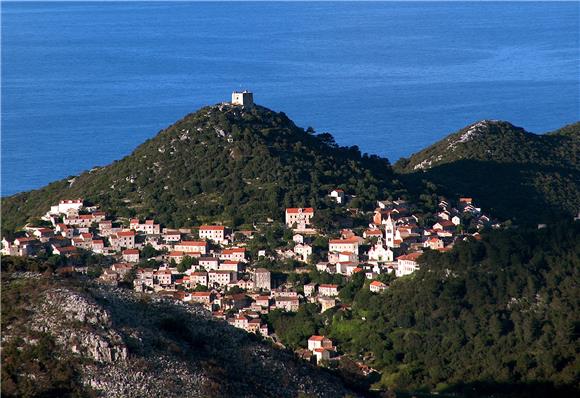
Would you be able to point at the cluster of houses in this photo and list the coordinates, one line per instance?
(219, 274)
(396, 238)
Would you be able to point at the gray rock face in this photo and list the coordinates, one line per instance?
(80, 325)
(135, 345)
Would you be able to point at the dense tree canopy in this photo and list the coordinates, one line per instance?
(503, 309)
(498, 314)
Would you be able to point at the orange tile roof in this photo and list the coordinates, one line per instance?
(354, 239)
(234, 250)
(330, 286)
(294, 210)
(410, 257)
(212, 227)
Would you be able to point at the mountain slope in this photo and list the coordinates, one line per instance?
(222, 162)
(494, 317)
(115, 343)
(513, 173)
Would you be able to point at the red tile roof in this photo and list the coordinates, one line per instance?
(234, 250)
(201, 294)
(212, 228)
(410, 257)
(330, 286)
(354, 239)
(294, 210)
(191, 243)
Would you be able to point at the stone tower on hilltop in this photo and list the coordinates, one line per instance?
(244, 98)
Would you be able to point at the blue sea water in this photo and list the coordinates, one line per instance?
(85, 83)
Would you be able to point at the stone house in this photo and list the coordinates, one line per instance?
(377, 286)
(407, 264)
(192, 248)
(328, 290)
(215, 233)
(288, 303)
(131, 255)
(299, 217)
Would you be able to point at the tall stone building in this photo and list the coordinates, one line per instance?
(244, 98)
(262, 279)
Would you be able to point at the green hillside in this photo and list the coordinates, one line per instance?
(220, 163)
(512, 173)
(496, 317)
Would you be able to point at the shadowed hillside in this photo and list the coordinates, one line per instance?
(514, 174)
(68, 338)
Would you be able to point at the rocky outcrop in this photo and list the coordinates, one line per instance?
(80, 326)
(133, 345)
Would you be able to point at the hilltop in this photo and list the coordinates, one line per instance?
(240, 165)
(514, 173)
(116, 343)
(222, 163)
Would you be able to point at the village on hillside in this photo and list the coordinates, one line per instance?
(211, 266)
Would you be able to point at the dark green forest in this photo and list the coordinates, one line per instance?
(494, 316)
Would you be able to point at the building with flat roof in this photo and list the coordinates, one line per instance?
(244, 98)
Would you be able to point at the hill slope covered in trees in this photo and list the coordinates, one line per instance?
(241, 165)
(512, 173)
(496, 317)
(222, 162)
